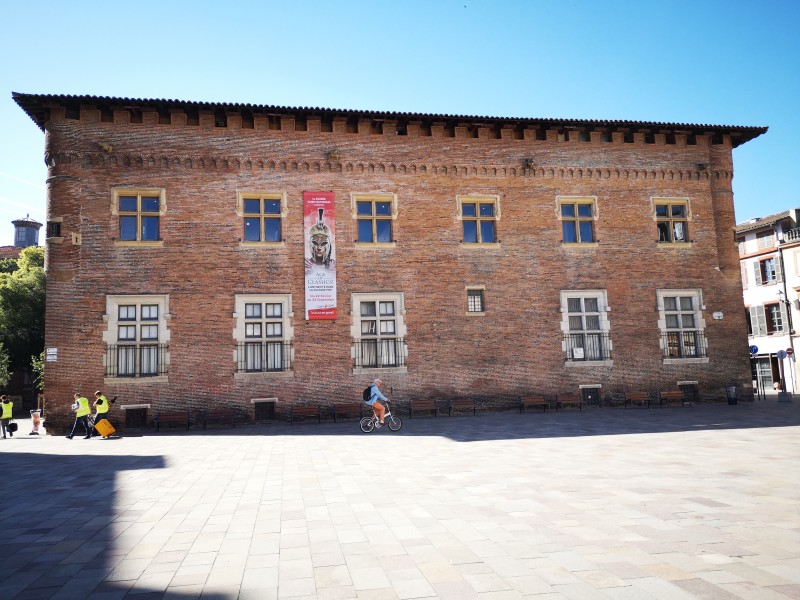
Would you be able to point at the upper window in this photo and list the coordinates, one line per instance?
(262, 218)
(374, 214)
(374, 221)
(672, 220)
(138, 213)
(681, 323)
(577, 220)
(479, 219)
(139, 216)
(585, 325)
(137, 336)
(263, 333)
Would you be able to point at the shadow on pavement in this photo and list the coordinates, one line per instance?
(536, 424)
(61, 526)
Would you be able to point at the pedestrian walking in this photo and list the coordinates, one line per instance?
(82, 412)
(101, 408)
(8, 408)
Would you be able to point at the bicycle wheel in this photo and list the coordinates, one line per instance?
(394, 423)
(367, 424)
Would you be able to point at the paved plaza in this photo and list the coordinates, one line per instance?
(678, 503)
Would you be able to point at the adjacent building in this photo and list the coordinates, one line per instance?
(769, 251)
(203, 255)
(26, 233)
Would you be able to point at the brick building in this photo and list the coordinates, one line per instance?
(457, 255)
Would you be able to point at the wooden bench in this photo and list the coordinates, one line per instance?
(563, 400)
(640, 398)
(533, 401)
(667, 396)
(462, 404)
(300, 411)
(424, 406)
(173, 418)
(222, 416)
(345, 410)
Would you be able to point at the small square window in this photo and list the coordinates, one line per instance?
(475, 303)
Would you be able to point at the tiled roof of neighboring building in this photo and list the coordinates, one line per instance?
(9, 252)
(763, 222)
(36, 105)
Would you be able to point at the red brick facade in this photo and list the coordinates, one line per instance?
(203, 156)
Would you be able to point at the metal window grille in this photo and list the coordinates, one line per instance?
(377, 353)
(260, 357)
(587, 346)
(136, 360)
(684, 344)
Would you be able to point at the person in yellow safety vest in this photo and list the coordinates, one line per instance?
(82, 412)
(101, 406)
(8, 408)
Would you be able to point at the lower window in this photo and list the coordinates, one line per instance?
(137, 336)
(681, 323)
(263, 333)
(585, 325)
(378, 329)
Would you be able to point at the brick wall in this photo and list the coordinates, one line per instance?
(515, 348)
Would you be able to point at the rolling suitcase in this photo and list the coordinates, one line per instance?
(104, 427)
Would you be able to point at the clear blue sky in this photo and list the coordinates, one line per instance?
(729, 62)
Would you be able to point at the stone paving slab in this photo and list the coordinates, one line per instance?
(699, 502)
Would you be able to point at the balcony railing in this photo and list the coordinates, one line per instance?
(379, 352)
(587, 346)
(684, 344)
(263, 357)
(136, 360)
(792, 235)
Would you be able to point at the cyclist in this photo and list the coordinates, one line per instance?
(374, 396)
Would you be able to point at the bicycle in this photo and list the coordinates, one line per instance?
(392, 422)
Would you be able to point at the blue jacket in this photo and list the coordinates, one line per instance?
(375, 394)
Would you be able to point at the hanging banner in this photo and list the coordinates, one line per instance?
(320, 256)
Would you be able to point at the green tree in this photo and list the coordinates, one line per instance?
(8, 265)
(5, 372)
(37, 366)
(22, 303)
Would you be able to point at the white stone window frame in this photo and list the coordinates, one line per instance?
(112, 321)
(605, 324)
(398, 298)
(478, 199)
(240, 326)
(595, 218)
(356, 197)
(655, 200)
(116, 192)
(700, 323)
(241, 196)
